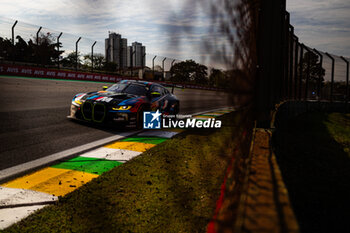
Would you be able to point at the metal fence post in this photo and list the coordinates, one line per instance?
(92, 56)
(271, 59)
(13, 32)
(286, 55)
(37, 36)
(171, 66)
(76, 54)
(320, 75)
(347, 80)
(332, 75)
(153, 65)
(307, 73)
(37, 44)
(58, 50)
(13, 42)
(163, 68)
(301, 69)
(296, 66)
(291, 51)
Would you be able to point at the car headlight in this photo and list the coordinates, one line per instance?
(77, 103)
(78, 100)
(124, 107)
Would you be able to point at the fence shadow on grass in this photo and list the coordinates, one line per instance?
(316, 171)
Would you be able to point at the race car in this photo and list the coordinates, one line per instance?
(123, 103)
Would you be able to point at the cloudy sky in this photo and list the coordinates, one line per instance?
(323, 24)
(148, 22)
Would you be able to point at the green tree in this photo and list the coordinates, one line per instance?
(23, 51)
(110, 66)
(98, 61)
(217, 78)
(71, 60)
(45, 52)
(200, 74)
(316, 70)
(6, 49)
(189, 71)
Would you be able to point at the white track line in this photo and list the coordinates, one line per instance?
(111, 154)
(12, 171)
(158, 133)
(212, 114)
(11, 196)
(13, 215)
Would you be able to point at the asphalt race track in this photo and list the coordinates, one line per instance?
(33, 112)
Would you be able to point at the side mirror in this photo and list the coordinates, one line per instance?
(155, 94)
(104, 88)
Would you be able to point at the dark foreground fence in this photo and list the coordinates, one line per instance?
(291, 70)
(282, 72)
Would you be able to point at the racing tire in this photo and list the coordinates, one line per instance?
(177, 109)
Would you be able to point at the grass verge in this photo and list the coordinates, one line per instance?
(172, 187)
(313, 153)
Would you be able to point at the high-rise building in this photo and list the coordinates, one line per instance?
(129, 52)
(124, 47)
(140, 51)
(116, 50)
(136, 55)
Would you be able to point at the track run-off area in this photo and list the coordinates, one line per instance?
(34, 126)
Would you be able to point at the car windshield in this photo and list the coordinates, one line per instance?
(135, 89)
(128, 88)
(119, 87)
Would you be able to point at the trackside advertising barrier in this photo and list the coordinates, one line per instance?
(37, 72)
(55, 74)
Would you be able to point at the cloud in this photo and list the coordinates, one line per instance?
(173, 28)
(137, 20)
(157, 24)
(322, 24)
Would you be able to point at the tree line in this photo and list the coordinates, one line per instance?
(39, 50)
(45, 51)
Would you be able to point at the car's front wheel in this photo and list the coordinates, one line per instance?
(139, 119)
(175, 109)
